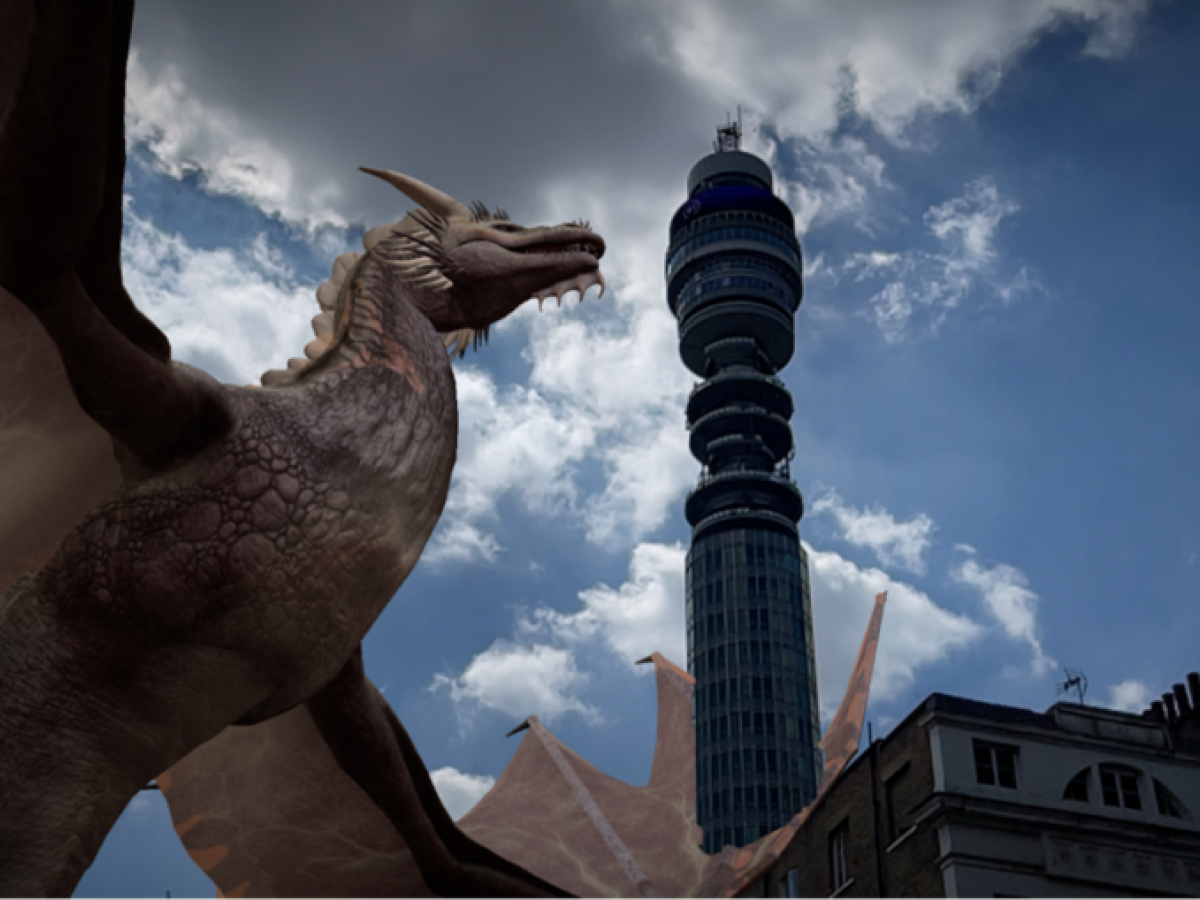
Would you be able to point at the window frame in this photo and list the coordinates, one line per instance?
(890, 786)
(789, 884)
(1123, 777)
(993, 767)
(839, 871)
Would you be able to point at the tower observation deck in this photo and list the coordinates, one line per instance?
(733, 271)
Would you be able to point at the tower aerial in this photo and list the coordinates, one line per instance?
(734, 283)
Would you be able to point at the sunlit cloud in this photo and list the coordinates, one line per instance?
(519, 681)
(898, 544)
(1006, 595)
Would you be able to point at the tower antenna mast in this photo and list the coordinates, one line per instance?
(729, 135)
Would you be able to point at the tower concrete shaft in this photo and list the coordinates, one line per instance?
(734, 284)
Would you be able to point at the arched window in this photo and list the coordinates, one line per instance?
(1168, 803)
(1077, 787)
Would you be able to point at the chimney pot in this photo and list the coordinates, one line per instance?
(1181, 700)
(1193, 680)
(1169, 703)
(1156, 711)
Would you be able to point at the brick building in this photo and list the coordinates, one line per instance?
(972, 799)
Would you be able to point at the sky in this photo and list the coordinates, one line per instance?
(997, 368)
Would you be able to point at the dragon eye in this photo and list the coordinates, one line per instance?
(501, 226)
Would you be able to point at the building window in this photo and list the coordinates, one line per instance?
(789, 885)
(1077, 787)
(1119, 787)
(1168, 803)
(996, 764)
(891, 788)
(838, 875)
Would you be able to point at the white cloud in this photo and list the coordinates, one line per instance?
(231, 156)
(806, 67)
(623, 371)
(891, 62)
(460, 791)
(457, 541)
(511, 441)
(647, 476)
(1129, 696)
(900, 544)
(833, 178)
(1006, 594)
(606, 387)
(1114, 28)
(644, 615)
(916, 631)
(233, 313)
(518, 681)
(930, 285)
(967, 225)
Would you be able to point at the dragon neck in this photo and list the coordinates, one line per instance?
(375, 322)
(356, 322)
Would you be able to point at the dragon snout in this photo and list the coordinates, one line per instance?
(594, 248)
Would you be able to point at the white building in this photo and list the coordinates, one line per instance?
(1074, 802)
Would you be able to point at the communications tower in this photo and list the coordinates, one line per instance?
(734, 283)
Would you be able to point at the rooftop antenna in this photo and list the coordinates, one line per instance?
(729, 135)
(1075, 681)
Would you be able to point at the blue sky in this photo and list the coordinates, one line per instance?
(997, 374)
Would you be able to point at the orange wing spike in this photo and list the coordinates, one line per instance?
(845, 731)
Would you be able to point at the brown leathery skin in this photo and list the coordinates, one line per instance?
(227, 589)
(255, 534)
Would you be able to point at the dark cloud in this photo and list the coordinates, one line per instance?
(485, 100)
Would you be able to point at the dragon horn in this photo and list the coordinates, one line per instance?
(419, 192)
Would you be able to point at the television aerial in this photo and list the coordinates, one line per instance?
(1075, 681)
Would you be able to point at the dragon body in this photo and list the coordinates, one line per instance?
(256, 533)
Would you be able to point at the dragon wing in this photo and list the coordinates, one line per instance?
(77, 358)
(55, 462)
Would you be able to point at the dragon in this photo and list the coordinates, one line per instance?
(218, 552)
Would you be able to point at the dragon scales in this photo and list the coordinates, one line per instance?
(225, 567)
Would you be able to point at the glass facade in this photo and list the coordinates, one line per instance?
(734, 283)
(749, 621)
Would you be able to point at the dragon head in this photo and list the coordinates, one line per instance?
(468, 268)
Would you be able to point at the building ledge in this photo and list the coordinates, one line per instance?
(912, 829)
